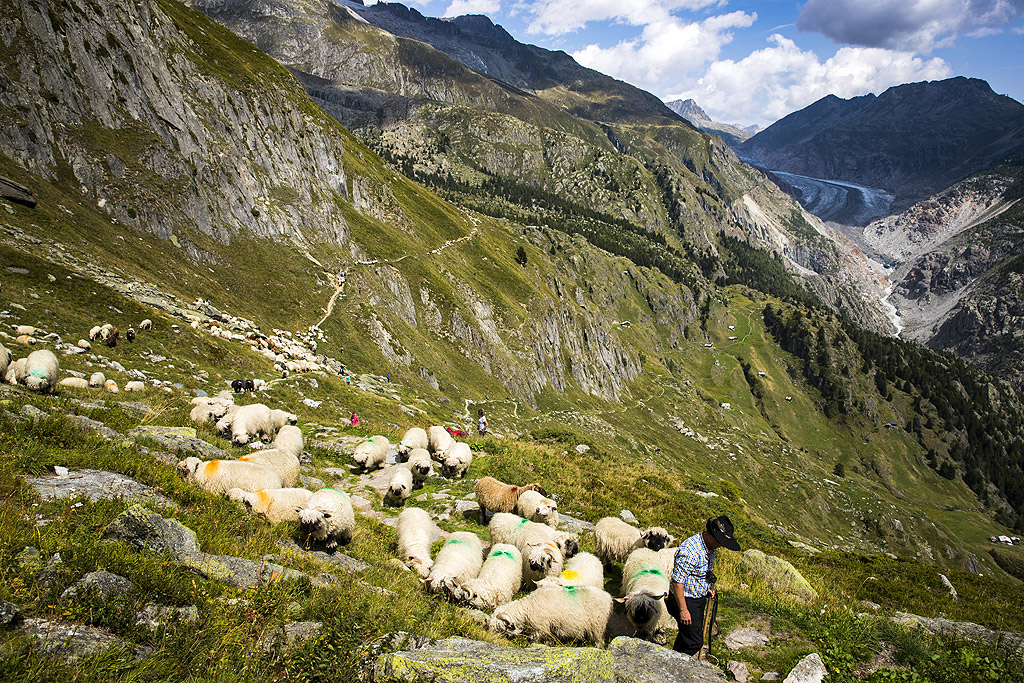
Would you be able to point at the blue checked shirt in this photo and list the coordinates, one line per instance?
(692, 563)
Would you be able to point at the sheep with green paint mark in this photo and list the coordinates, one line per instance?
(645, 579)
(573, 613)
(497, 583)
(543, 549)
(41, 370)
(371, 453)
(459, 560)
(536, 507)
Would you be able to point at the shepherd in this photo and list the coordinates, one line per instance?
(481, 423)
(693, 583)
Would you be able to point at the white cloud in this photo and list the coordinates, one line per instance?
(665, 49)
(915, 25)
(460, 7)
(557, 17)
(775, 81)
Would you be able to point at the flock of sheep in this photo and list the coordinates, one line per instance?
(39, 371)
(566, 597)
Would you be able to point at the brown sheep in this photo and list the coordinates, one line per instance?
(496, 496)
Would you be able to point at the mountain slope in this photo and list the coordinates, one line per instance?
(913, 140)
(691, 111)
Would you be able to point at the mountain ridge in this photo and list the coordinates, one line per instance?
(692, 112)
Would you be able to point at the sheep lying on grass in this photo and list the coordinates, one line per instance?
(415, 531)
(582, 570)
(134, 385)
(283, 458)
(16, 371)
(497, 583)
(372, 452)
(41, 369)
(457, 460)
(574, 613)
(73, 383)
(645, 583)
(97, 380)
(82, 344)
(421, 466)
(328, 517)
(400, 486)
(438, 441)
(615, 539)
(25, 339)
(459, 560)
(535, 507)
(218, 476)
(495, 496)
(414, 438)
(276, 505)
(26, 330)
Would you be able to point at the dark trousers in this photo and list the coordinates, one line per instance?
(690, 638)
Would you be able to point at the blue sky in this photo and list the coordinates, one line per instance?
(754, 62)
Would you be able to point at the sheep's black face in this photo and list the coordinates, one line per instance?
(643, 609)
(572, 546)
(656, 542)
(540, 563)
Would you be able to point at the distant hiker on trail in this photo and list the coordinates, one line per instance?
(355, 420)
(481, 423)
(693, 582)
(348, 380)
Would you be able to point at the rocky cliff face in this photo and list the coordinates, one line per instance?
(913, 140)
(125, 105)
(691, 111)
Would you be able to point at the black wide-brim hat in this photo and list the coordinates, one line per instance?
(721, 529)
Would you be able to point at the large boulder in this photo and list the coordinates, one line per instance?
(181, 440)
(71, 641)
(95, 485)
(106, 584)
(148, 530)
(810, 669)
(458, 660)
(639, 661)
(778, 573)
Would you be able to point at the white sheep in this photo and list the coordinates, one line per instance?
(97, 380)
(146, 324)
(645, 583)
(328, 517)
(41, 370)
(111, 386)
(218, 476)
(414, 438)
(497, 583)
(83, 344)
(400, 486)
(16, 371)
(5, 360)
(258, 420)
(94, 333)
(459, 560)
(572, 613)
(223, 424)
(543, 549)
(439, 441)
(615, 539)
(421, 465)
(372, 452)
(26, 330)
(457, 460)
(497, 496)
(73, 383)
(276, 505)
(584, 569)
(135, 385)
(26, 340)
(283, 458)
(415, 532)
(535, 507)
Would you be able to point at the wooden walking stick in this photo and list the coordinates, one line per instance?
(710, 614)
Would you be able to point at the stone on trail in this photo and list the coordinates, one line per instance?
(639, 661)
(739, 671)
(778, 573)
(810, 669)
(458, 660)
(745, 637)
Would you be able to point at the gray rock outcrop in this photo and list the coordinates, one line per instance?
(778, 573)
(810, 669)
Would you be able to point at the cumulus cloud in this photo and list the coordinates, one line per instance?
(557, 17)
(915, 25)
(460, 7)
(664, 49)
(775, 81)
